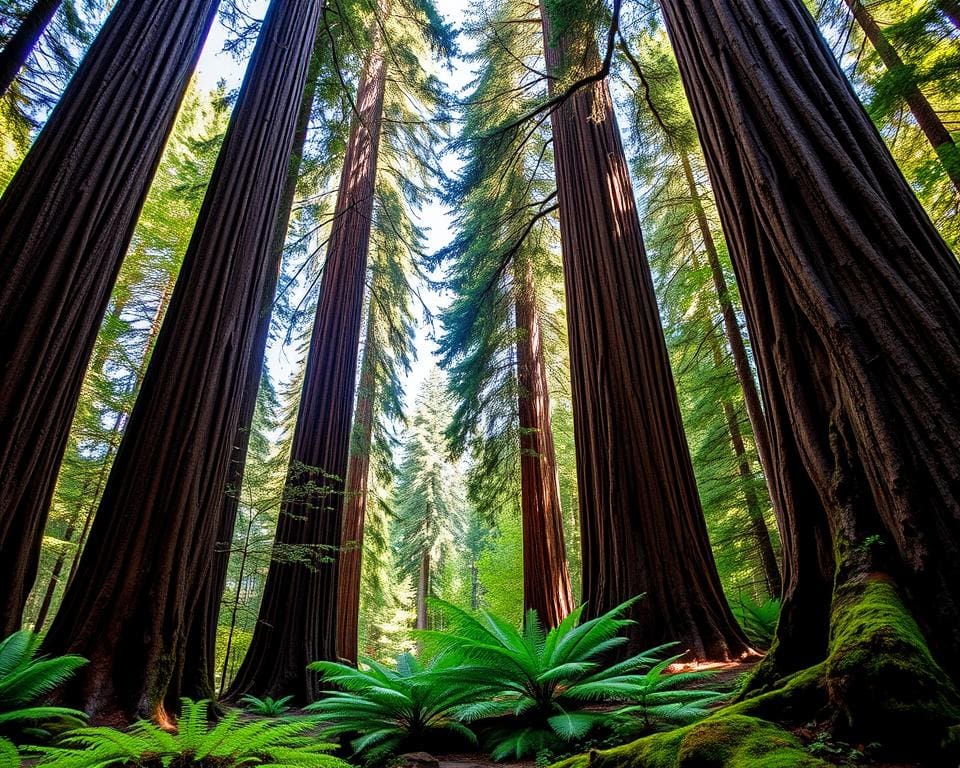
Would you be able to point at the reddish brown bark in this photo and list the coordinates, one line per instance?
(199, 670)
(285, 641)
(923, 111)
(21, 44)
(642, 527)
(546, 578)
(853, 303)
(355, 507)
(423, 591)
(149, 548)
(65, 222)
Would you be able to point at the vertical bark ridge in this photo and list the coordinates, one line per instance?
(286, 641)
(853, 303)
(66, 220)
(546, 577)
(149, 548)
(642, 526)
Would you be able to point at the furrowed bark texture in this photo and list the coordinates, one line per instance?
(285, 641)
(150, 546)
(21, 44)
(355, 507)
(923, 111)
(199, 669)
(853, 304)
(65, 222)
(642, 526)
(546, 578)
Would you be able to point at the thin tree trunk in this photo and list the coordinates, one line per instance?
(66, 219)
(355, 509)
(950, 9)
(853, 303)
(642, 525)
(21, 44)
(235, 608)
(148, 554)
(286, 641)
(731, 326)
(546, 578)
(54, 579)
(923, 111)
(201, 652)
(423, 591)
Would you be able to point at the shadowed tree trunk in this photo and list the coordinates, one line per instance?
(355, 508)
(853, 304)
(546, 579)
(950, 9)
(423, 591)
(923, 111)
(200, 665)
(151, 542)
(642, 526)
(21, 44)
(285, 641)
(65, 222)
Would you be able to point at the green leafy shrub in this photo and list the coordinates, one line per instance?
(759, 620)
(273, 743)
(545, 691)
(267, 706)
(391, 710)
(25, 677)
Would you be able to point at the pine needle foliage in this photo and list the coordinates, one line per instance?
(272, 743)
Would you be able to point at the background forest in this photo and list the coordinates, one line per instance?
(427, 121)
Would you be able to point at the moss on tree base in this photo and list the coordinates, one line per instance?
(721, 741)
(879, 683)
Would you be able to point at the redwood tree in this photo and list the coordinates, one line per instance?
(65, 221)
(151, 543)
(853, 305)
(285, 641)
(642, 527)
(22, 42)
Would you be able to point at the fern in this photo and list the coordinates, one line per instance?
(402, 708)
(759, 620)
(267, 706)
(26, 677)
(264, 743)
(9, 757)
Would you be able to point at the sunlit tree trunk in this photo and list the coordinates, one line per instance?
(199, 667)
(423, 591)
(285, 641)
(355, 508)
(853, 304)
(923, 111)
(65, 222)
(642, 526)
(546, 579)
(21, 44)
(151, 543)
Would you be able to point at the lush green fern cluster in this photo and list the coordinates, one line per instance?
(521, 692)
(759, 620)
(283, 743)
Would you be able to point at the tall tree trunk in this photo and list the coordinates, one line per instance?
(148, 554)
(423, 591)
(65, 222)
(853, 303)
(731, 326)
(355, 508)
(21, 44)
(201, 651)
(546, 578)
(285, 641)
(923, 111)
(642, 525)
